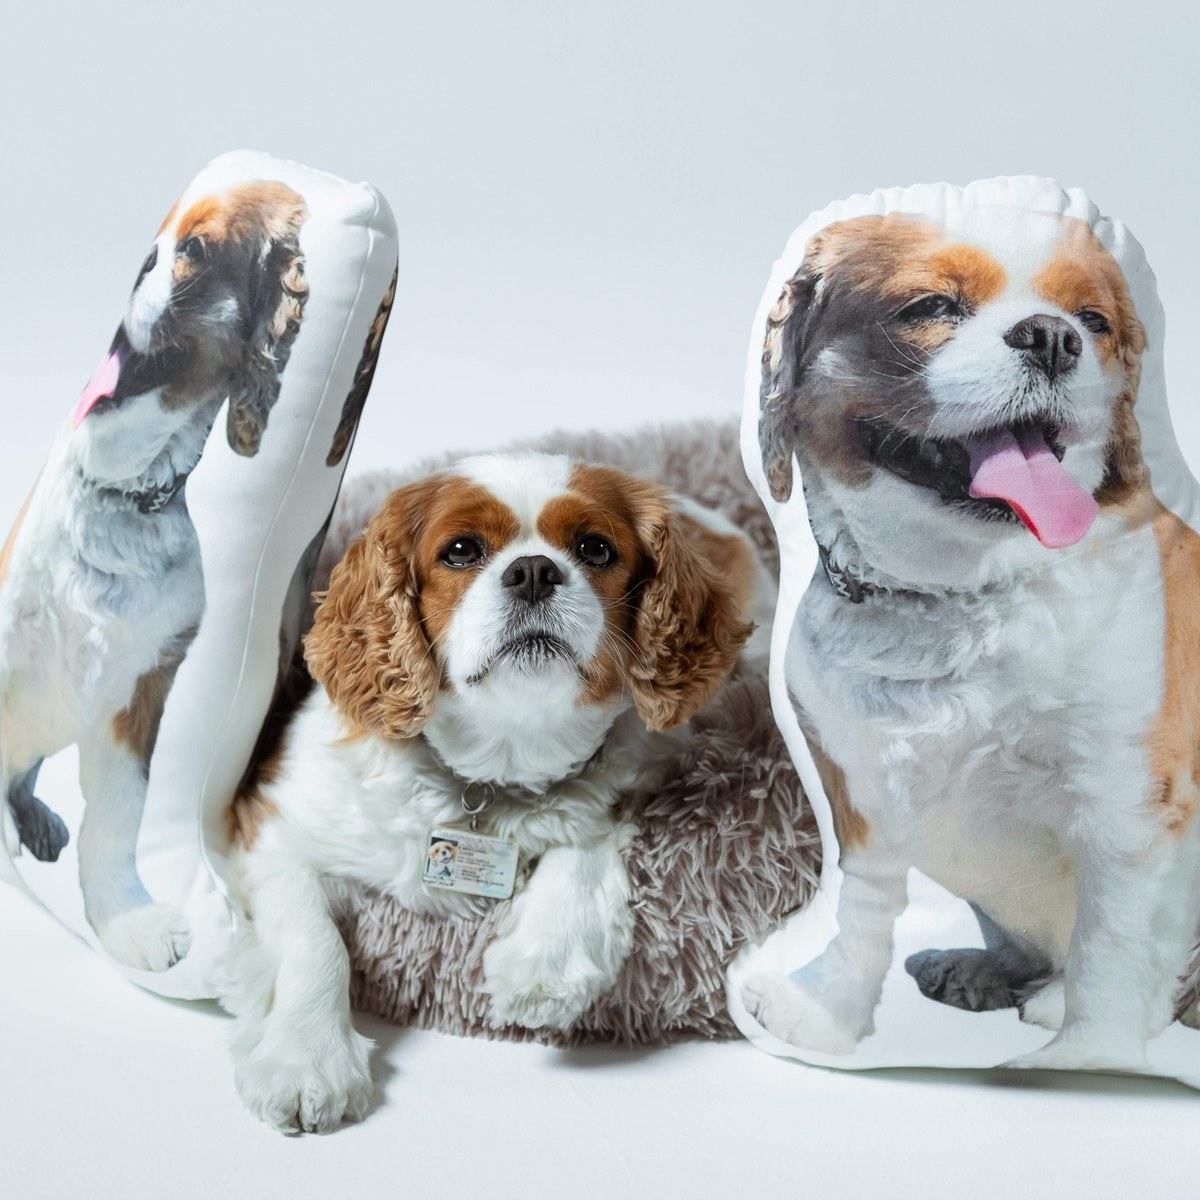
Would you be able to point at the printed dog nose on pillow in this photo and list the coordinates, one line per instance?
(156, 580)
(986, 658)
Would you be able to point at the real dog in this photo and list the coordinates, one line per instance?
(1016, 719)
(101, 589)
(519, 624)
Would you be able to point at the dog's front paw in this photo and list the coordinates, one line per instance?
(153, 937)
(539, 992)
(786, 1011)
(1080, 1049)
(298, 1091)
(540, 1004)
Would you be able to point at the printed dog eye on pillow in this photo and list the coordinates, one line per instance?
(159, 573)
(986, 657)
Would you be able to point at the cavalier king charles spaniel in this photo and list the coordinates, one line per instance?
(510, 639)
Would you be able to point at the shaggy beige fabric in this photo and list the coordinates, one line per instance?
(724, 852)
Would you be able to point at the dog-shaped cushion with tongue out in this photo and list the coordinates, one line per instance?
(156, 581)
(986, 654)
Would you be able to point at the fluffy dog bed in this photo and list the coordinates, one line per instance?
(724, 852)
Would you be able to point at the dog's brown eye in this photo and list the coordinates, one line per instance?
(463, 552)
(595, 551)
(192, 249)
(1093, 321)
(932, 308)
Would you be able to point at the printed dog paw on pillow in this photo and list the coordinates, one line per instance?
(158, 575)
(956, 415)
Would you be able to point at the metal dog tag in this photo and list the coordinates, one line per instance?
(460, 860)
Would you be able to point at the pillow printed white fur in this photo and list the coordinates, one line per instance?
(159, 572)
(986, 657)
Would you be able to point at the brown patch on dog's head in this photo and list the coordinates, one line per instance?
(673, 598)
(602, 502)
(900, 257)
(458, 507)
(377, 631)
(854, 280)
(235, 299)
(250, 236)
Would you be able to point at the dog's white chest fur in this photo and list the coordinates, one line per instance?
(90, 609)
(400, 792)
(981, 734)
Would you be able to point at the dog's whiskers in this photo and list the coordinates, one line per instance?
(909, 357)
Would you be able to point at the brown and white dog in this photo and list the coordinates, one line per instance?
(101, 588)
(521, 622)
(998, 667)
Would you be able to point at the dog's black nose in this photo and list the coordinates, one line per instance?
(1049, 342)
(533, 577)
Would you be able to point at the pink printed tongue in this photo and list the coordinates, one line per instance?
(1022, 471)
(101, 385)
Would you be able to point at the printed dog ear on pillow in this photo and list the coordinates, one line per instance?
(155, 584)
(956, 416)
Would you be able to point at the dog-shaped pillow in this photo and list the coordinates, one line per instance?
(159, 573)
(987, 646)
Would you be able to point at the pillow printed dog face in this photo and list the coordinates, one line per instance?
(989, 641)
(255, 317)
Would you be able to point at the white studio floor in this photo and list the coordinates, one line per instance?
(108, 1091)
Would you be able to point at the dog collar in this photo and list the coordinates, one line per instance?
(152, 501)
(856, 590)
(842, 582)
(158, 499)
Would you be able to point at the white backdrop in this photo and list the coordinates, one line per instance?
(590, 197)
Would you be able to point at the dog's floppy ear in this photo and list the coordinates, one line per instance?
(277, 293)
(688, 628)
(1125, 469)
(367, 646)
(780, 359)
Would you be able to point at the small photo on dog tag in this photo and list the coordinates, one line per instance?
(458, 860)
